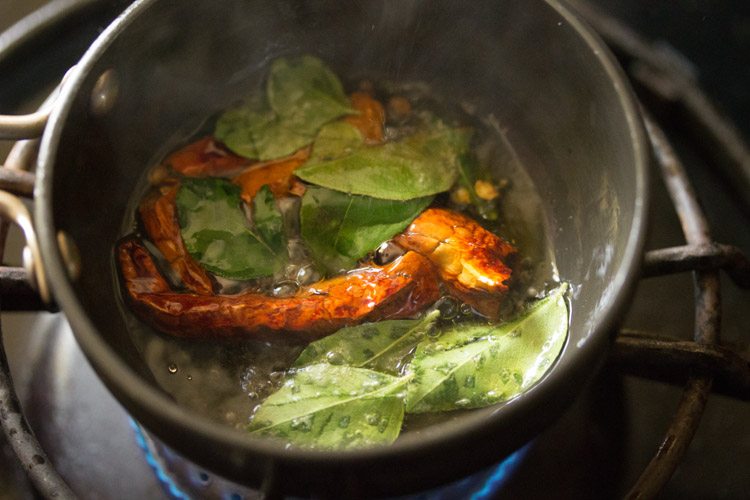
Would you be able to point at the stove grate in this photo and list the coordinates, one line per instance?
(666, 79)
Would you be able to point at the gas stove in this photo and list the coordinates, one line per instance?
(636, 410)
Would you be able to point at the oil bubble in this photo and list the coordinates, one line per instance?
(383, 425)
(448, 306)
(466, 309)
(285, 288)
(371, 384)
(172, 368)
(302, 424)
(307, 274)
(387, 252)
(335, 357)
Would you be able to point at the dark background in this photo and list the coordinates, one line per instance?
(713, 34)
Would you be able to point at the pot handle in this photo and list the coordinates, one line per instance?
(12, 208)
(30, 126)
(16, 180)
(23, 126)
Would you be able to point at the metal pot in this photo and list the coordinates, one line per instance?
(165, 66)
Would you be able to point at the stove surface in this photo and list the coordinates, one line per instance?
(600, 446)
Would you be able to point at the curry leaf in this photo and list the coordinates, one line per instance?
(217, 234)
(305, 93)
(268, 220)
(479, 365)
(302, 94)
(334, 140)
(255, 135)
(253, 130)
(333, 407)
(339, 228)
(419, 165)
(382, 346)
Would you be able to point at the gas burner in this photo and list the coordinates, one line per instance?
(182, 480)
(610, 431)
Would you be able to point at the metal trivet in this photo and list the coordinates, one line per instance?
(666, 80)
(663, 77)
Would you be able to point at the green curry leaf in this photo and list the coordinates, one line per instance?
(217, 234)
(339, 228)
(419, 165)
(305, 93)
(268, 220)
(382, 346)
(302, 95)
(479, 365)
(326, 406)
(253, 137)
(334, 140)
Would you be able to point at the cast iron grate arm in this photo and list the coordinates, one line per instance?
(666, 79)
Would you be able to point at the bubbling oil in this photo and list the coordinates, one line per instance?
(226, 380)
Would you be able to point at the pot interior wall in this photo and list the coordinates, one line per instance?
(521, 61)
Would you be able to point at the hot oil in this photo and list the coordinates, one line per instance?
(226, 380)
(222, 380)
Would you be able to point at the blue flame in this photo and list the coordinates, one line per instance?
(480, 486)
(164, 478)
(500, 474)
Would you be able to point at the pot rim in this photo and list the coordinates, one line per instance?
(116, 372)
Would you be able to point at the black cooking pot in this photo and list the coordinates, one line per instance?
(163, 67)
